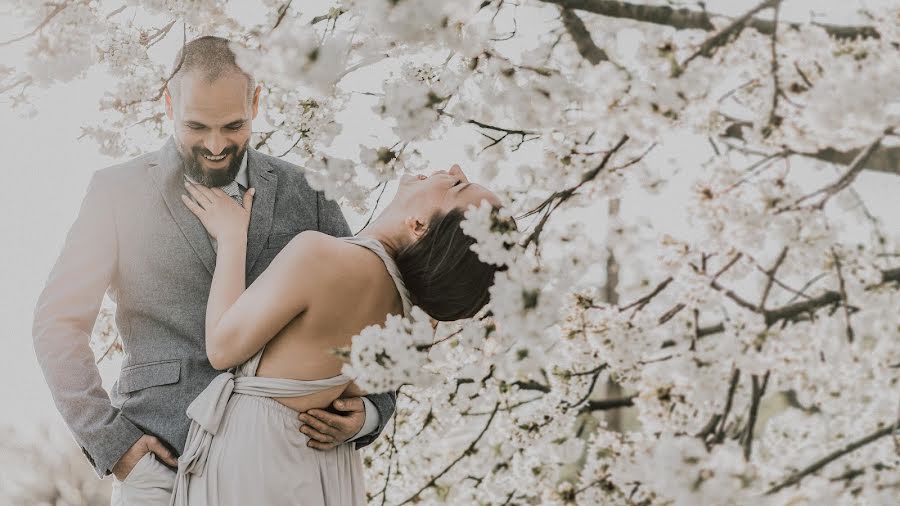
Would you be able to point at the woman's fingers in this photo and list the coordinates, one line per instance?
(197, 191)
(248, 199)
(193, 206)
(218, 193)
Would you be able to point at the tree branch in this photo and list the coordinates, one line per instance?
(582, 38)
(819, 464)
(884, 159)
(685, 19)
(790, 312)
(607, 404)
(732, 30)
(847, 178)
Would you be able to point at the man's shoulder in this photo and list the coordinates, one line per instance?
(283, 167)
(126, 171)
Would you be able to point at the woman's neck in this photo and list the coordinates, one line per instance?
(389, 232)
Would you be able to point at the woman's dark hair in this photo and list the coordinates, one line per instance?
(443, 275)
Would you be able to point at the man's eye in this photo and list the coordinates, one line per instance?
(235, 128)
(195, 127)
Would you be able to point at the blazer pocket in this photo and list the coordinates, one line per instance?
(153, 374)
(279, 240)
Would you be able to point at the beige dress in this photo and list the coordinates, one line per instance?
(244, 447)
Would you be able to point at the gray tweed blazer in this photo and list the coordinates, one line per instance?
(134, 238)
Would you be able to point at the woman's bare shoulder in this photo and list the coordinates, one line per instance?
(312, 241)
(325, 254)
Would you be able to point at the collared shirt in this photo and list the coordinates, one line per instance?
(242, 178)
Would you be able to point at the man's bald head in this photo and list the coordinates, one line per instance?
(208, 58)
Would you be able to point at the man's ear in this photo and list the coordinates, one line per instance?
(415, 227)
(255, 104)
(170, 111)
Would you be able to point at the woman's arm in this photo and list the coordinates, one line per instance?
(281, 293)
(240, 322)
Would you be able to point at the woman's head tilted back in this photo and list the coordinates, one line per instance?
(444, 276)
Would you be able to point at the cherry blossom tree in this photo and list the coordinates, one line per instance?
(782, 291)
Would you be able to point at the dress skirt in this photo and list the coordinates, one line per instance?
(259, 456)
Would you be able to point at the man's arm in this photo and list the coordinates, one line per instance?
(63, 320)
(332, 222)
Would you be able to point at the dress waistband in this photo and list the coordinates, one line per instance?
(208, 409)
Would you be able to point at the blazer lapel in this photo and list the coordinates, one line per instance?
(168, 174)
(264, 179)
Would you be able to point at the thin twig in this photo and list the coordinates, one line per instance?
(282, 11)
(819, 464)
(109, 348)
(433, 481)
(732, 387)
(56, 10)
(771, 278)
(721, 37)
(643, 301)
(608, 404)
(845, 180)
(774, 119)
(558, 198)
(843, 291)
(23, 80)
(383, 185)
(159, 34)
(263, 139)
(756, 396)
(567, 405)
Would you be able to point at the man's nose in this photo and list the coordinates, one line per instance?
(215, 143)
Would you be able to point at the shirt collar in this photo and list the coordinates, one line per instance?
(242, 178)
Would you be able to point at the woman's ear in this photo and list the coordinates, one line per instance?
(415, 227)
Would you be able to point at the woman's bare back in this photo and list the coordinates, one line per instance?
(359, 293)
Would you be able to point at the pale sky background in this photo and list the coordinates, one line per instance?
(45, 171)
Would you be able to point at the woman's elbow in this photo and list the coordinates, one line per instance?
(218, 356)
(217, 360)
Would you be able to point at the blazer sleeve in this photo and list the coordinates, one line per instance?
(332, 222)
(63, 321)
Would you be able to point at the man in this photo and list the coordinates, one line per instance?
(135, 237)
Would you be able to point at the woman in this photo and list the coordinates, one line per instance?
(244, 446)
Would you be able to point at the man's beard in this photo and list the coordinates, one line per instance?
(193, 166)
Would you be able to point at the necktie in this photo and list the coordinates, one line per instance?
(235, 191)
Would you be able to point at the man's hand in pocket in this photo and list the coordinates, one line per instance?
(146, 444)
